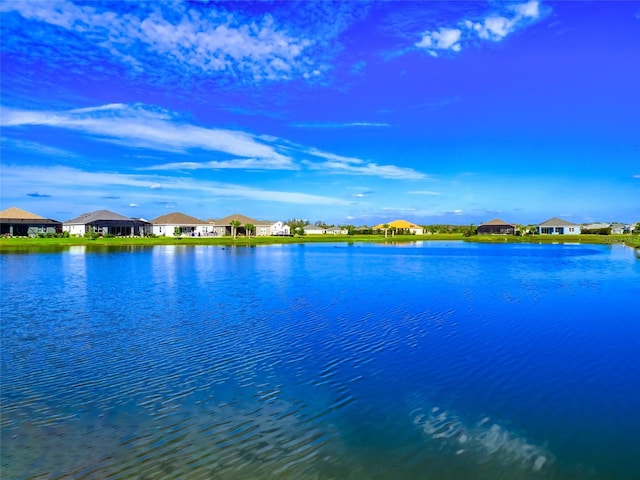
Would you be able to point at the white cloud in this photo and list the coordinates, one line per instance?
(494, 27)
(78, 185)
(36, 148)
(145, 127)
(442, 39)
(199, 39)
(349, 165)
(424, 192)
(340, 125)
(235, 164)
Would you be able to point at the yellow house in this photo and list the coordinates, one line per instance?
(401, 225)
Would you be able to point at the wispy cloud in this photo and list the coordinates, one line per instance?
(494, 26)
(340, 125)
(66, 182)
(424, 192)
(36, 148)
(235, 164)
(334, 164)
(196, 38)
(143, 126)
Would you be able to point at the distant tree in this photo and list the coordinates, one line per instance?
(636, 229)
(296, 225)
(470, 230)
(249, 227)
(351, 229)
(234, 227)
(385, 227)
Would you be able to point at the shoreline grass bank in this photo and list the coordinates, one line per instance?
(8, 245)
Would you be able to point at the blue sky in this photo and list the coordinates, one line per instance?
(346, 112)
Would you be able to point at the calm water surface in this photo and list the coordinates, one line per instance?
(425, 360)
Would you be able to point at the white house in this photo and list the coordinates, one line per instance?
(557, 226)
(280, 228)
(166, 225)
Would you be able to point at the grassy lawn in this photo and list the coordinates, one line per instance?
(629, 240)
(52, 244)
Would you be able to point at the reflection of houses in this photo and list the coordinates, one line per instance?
(280, 228)
(20, 223)
(557, 226)
(401, 226)
(166, 225)
(223, 226)
(496, 227)
(104, 222)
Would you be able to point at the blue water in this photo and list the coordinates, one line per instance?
(425, 360)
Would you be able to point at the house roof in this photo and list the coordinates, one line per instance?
(557, 222)
(495, 222)
(596, 225)
(243, 219)
(15, 213)
(89, 217)
(397, 224)
(177, 218)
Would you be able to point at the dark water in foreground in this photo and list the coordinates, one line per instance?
(429, 360)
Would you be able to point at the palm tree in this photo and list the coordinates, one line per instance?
(234, 227)
(386, 228)
(249, 227)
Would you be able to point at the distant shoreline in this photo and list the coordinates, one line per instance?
(7, 245)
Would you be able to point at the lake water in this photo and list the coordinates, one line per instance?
(427, 360)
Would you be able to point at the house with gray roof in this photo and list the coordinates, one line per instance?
(105, 222)
(496, 227)
(16, 222)
(558, 226)
(166, 225)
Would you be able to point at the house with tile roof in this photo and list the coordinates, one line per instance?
(558, 226)
(166, 225)
(223, 227)
(105, 222)
(496, 227)
(401, 226)
(16, 222)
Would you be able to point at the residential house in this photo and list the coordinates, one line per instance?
(401, 226)
(105, 222)
(496, 227)
(558, 226)
(314, 230)
(619, 228)
(16, 222)
(280, 228)
(223, 226)
(166, 225)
